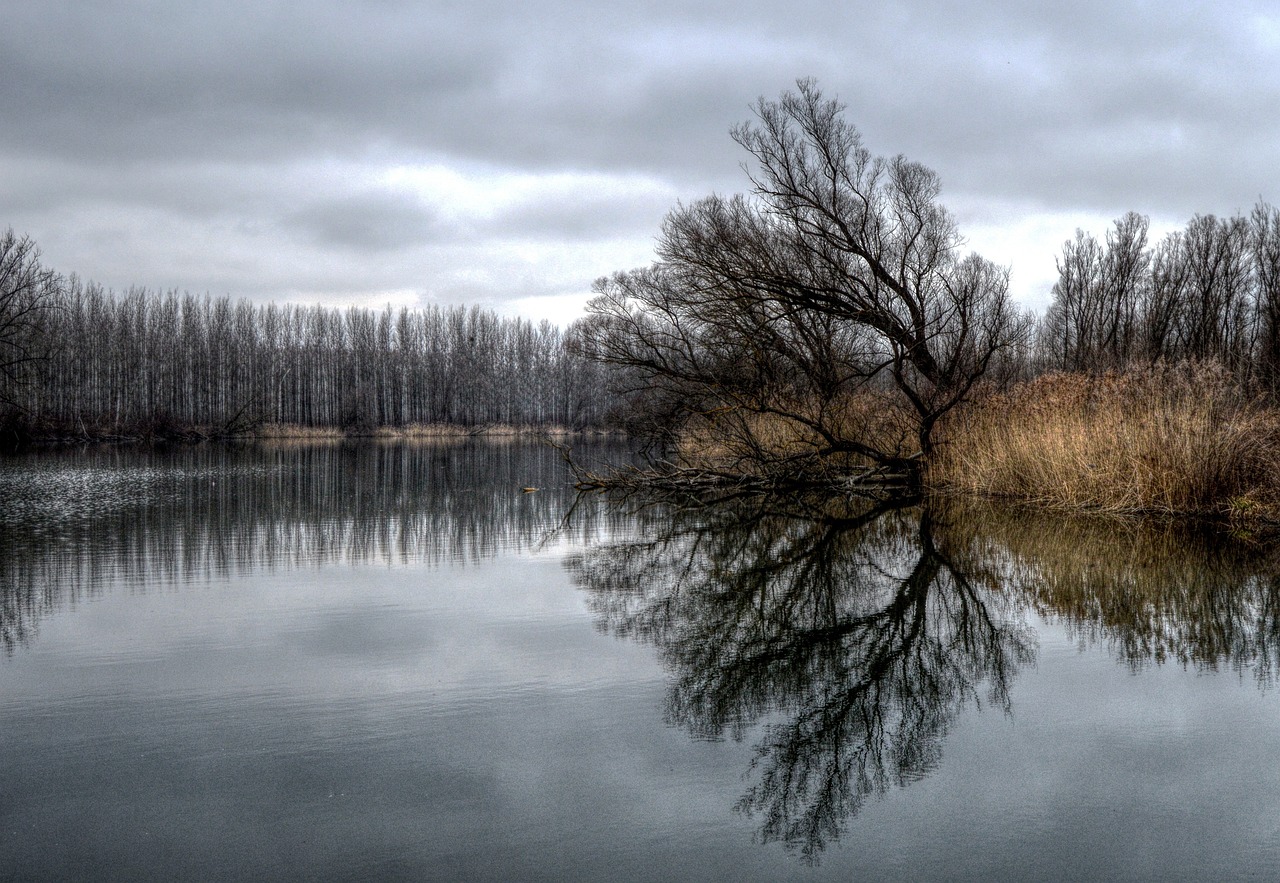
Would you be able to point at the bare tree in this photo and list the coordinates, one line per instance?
(143, 363)
(1125, 281)
(26, 292)
(1071, 324)
(1093, 322)
(1215, 321)
(838, 282)
(1264, 253)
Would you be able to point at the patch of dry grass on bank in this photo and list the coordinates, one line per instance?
(434, 431)
(743, 443)
(297, 431)
(412, 431)
(1173, 439)
(488, 430)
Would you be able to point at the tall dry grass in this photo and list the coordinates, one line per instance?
(1175, 439)
(295, 431)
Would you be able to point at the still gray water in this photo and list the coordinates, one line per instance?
(387, 661)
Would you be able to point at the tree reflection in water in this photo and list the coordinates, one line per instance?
(847, 632)
(853, 636)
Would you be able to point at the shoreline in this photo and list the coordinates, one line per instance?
(297, 433)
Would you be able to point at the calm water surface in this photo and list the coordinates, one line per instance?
(378, 661)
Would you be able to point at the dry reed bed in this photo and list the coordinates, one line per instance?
(1171, 439)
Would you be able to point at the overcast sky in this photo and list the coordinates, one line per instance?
(508, 153)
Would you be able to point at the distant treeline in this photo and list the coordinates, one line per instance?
(162, 363)
(81, 360)
(1210, 292)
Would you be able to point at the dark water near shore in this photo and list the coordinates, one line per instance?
(385, 661)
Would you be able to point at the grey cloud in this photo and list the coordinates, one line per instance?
(370, 221)
(583, 216)
(510, 84)
(160, 80)
(193, 189)
(1157, 113)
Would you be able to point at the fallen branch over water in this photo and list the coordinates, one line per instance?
(664, 476)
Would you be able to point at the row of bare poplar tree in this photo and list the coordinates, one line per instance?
(79, 359)
(1209, 292)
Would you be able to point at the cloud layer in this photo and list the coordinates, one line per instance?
(505, 153)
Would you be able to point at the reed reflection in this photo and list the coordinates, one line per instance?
(74, 522)
(848, 633)
(1152, 592)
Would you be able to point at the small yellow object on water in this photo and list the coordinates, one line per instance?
(528, 490)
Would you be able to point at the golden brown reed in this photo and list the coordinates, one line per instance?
(297, 431)
(1174, 439)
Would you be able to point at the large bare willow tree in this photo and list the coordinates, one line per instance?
(827, 317)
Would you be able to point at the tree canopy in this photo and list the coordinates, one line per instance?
(827, 313)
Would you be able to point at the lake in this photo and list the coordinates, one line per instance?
(388, 661)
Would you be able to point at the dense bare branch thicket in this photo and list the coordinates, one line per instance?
(1210, 292)
(150, 363)
(828, 316)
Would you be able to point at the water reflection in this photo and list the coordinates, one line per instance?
(72, 522)
(844, 641)
(854, 636)
(1152, 592)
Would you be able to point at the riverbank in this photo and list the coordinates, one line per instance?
(14, 436)
(1170, 440)
(437, 431)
